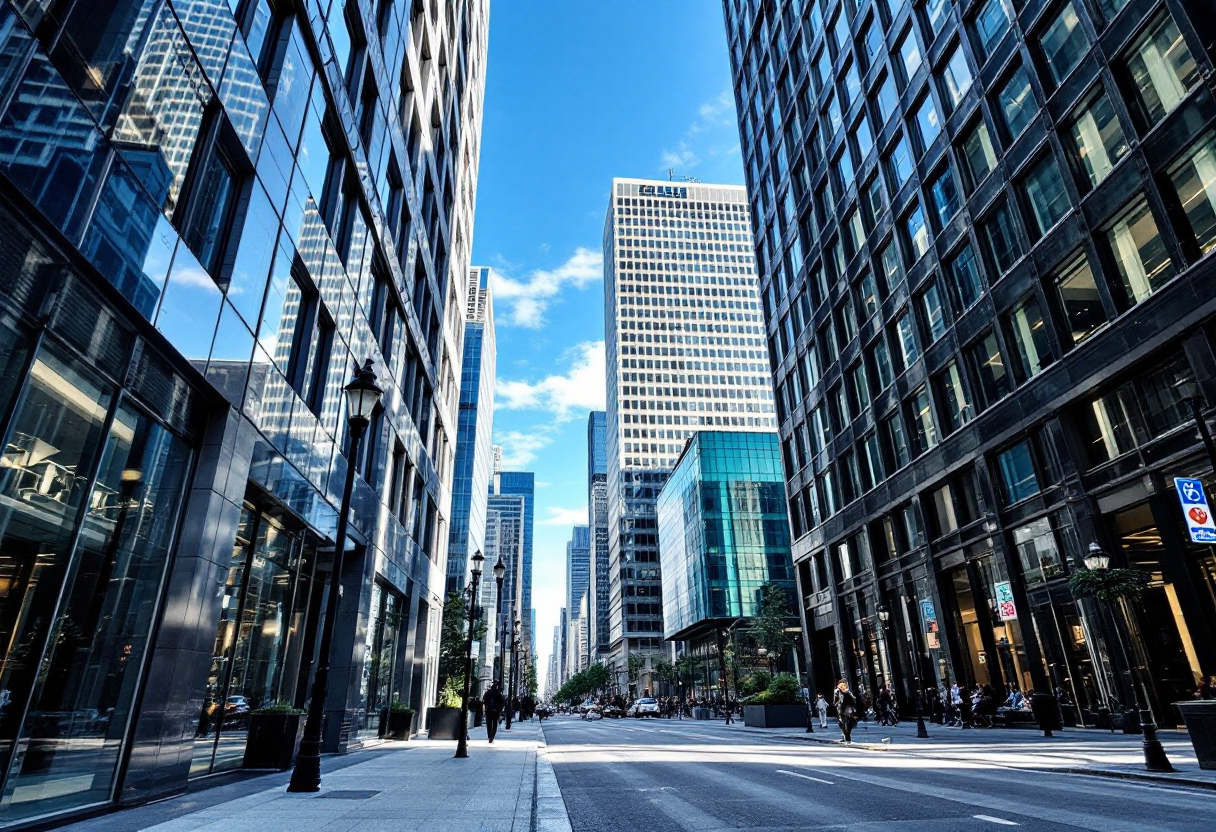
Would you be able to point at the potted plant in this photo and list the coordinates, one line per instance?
(398, 721)
(443, 720)
(274, 736)
(777, 706)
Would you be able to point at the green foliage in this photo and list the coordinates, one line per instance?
(532, 683)
(450, 694)
(584, 683)
(453, 639)
(754, 683)
(664, 670)
(1109, 585)
(687, 668)
(279, 708)
(783, 689)
(398, 708)
(767, 629)
(634, 665)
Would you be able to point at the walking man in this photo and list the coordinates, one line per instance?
(846, 706)
(493, 701)
(821, 705)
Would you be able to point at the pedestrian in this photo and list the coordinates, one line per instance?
(846, 708)
(493, 702)
(821, 705)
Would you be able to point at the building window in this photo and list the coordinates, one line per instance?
(1195, 181)
(1000, 235)
(214, 189)
(1099, 139)
(909, 54)
(1110, 8)
(900, 163)
(262, 24)
(1038, 552)
(867, 290)
(1017, 103)
(946, 198)
(1106, 425)
(897, 444)
(964, 274)
(938, 11)
(935, 318)
(956, 77)
(992, 23)
(917, 233)
(892, 267)
(1064, 43)
(1044, 190)
(887, 98)
(1033, 350)
(1080, 300)
(978, 154)
(928, 122)
(924, 434)
(1162, 70)
(905, 328)
(1139, 253)
(988, 369)
(1017, 473)
(881, 359)
(952, 397)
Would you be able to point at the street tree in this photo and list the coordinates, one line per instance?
(772, 617)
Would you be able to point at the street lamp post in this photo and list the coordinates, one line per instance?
(462, 744)
(1155, 758)
(500, 571)
(511, 673)
(922, 732)
(362, 396)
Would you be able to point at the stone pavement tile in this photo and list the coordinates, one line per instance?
(390, 824)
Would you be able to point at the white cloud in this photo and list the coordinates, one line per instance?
(565, 517)
(519, 449)
(712, 116)
(581, 388)
(527, 299)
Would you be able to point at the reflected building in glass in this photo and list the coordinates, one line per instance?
(723, 535)
(213, 212)
(984, 234)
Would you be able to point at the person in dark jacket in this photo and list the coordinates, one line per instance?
(493, 701)
(846, 708)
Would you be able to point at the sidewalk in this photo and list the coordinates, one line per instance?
(505, 787)
(1073, 750)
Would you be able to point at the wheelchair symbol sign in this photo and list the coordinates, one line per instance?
(1196, 512)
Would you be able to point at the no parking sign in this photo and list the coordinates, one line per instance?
(1196, 512)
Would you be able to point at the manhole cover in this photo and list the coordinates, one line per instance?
(349, 794)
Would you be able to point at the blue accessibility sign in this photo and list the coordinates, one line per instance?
(1196, 512)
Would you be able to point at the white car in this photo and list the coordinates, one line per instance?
(645, 707)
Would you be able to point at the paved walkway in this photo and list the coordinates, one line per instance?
(505, 787)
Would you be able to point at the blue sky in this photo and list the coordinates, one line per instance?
(576, 93)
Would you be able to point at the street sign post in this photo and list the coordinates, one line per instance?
(1196, 512)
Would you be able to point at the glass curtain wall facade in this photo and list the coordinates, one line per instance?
(598, 645)
(685, 351)
(983, 233)
(474, 426)
(213, 212)
(578, 581)
(522, 484)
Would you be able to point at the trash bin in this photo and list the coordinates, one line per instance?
(1200, 719)
(1046, 710)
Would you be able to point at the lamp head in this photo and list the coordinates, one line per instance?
(500, 569)
(1188, 389)
(362, 395)
(884, 614)
(1096, 558)
(477, 560)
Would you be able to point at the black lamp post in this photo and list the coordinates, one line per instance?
(511, 674)
(362, 396)
(922, 732)
(462, 745)
(500, 571)
(1154, 754)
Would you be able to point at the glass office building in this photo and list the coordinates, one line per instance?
(598, 645)
(984, 234)
(212, 212)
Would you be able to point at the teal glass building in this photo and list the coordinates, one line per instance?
(723, 531)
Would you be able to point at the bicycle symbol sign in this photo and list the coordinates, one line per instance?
(1195, 510)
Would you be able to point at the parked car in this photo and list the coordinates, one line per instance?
(645, 707)
(236, 711)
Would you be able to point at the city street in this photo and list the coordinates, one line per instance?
(682, 775)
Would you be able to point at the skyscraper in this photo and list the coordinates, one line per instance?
(208, 221)
(474, 425)
(598, 628)
(685, 351)
(578, 580)
(984, 234)
(523, 484)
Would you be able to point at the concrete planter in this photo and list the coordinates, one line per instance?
(1200, 719)
(273, 740)
(443, 723)
(774, 716)
(396, 725)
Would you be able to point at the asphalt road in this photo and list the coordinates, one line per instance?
(661, 775)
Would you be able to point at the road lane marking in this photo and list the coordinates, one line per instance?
(808, 777)
(991, 819)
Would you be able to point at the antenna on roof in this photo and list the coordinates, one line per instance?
(671, 174)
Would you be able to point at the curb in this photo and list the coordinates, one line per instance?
(1142, 776)
(549, 807)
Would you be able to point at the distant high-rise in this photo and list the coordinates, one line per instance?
(685, 352)
(598, 629)
(474, 425)
(578, 579)
(523, 484)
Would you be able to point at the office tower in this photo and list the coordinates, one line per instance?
(723, 535)
(553, 677)
(598, 629)
(685, 352)
(474, 425)
(508, 511)
(982, 232)
(209, 222)
(578, 580)
(522, 483)
(563, 645)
